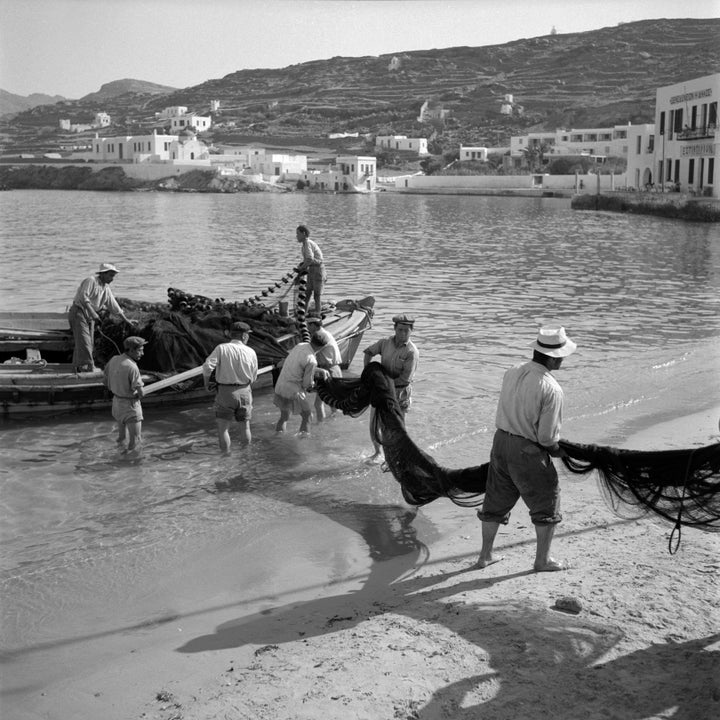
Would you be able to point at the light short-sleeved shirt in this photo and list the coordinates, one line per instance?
(399, 359)
(234, 362)
(531, 404)
(329, 354)
(297, 372)
(122, 376)
(311, 253)
(96, 295)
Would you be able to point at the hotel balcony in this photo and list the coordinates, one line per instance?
(701, 133)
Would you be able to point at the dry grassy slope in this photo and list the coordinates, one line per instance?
(596, 78)
(593, 78)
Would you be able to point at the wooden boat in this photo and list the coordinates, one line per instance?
(37, 378)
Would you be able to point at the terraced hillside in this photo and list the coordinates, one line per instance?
(590, 79)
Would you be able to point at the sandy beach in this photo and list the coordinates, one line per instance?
(423, 636)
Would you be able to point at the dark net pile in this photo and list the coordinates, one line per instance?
(421, 479)
(184, 331)
(680, 485)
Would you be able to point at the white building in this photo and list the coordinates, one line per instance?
(641, 156)
(102, 119)
(153, 148)
(276, 165)
(199, 123)
(468, 153)
(170, 112)
(432, 110)
(593, 142)
(687, 150)
(350, 173)
(402, 142)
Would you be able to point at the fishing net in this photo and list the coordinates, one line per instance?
(183, 332)
(421, 479)
(680, 485)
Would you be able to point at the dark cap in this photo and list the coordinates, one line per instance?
(134, 342)
(404, 320)
(240, 327)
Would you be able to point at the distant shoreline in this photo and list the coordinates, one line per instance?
(83, 176)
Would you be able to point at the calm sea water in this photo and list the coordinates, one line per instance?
(90, 543)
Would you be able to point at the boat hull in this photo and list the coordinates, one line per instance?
(38, 389)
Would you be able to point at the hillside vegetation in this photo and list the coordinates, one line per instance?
(591, 79)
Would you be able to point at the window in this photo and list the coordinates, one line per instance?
(651, 143)
(677, 171)
(679, 120)
(691, 171)
(711, 171)
(662, 123)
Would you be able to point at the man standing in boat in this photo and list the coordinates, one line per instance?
(328, 357)
(122, 377)
(399, 357)
(313, 262)
(92, 298)
(235, 366)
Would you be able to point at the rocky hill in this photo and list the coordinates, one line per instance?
(117, 88)
(11, 104)
(591, 79)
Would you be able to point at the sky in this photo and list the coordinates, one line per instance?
(72, 47)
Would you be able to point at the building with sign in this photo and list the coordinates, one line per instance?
(687, 150)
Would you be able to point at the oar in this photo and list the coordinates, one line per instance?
(175, 379)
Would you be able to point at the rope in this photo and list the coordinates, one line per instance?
(672, 549)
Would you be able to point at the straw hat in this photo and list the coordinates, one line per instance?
(554, 342)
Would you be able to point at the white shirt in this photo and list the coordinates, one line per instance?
(531, 403)
(297, 372)
(93, 294)
(329, 354)
(234, 362)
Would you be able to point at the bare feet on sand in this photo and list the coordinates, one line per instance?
(484, 562)
(551, 566)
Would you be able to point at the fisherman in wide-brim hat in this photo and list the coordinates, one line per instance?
(92, 298)
(528, 422)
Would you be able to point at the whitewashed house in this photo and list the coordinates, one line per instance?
(276, 165)
(155, 148)
(468, 152)
(169, 112)
(102, 119)
(198, 123)
(349, 173)
(432, 110)
(402, 142)
(641, 156)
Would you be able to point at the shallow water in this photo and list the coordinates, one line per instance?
(91, 542)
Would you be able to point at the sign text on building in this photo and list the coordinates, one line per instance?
(686, 97)
(699, 149)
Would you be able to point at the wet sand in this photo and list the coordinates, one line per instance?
(422, 634)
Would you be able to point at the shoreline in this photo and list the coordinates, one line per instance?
(421, 634)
